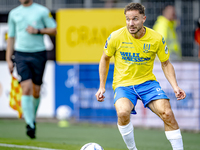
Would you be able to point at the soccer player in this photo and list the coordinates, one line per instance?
(134, 48)
(27, 24)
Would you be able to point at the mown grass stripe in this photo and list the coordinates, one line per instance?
(25, 147)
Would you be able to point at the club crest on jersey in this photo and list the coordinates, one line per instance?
(146, 48)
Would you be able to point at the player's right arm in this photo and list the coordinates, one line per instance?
(9, 53)
(109, 50)
(10, 42)
(103, 72)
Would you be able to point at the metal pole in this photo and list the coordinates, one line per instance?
(87, 3)
(136, 1)
(49, 4)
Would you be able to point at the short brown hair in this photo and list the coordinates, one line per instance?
(135, 6)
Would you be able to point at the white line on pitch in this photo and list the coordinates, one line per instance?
(25, 147)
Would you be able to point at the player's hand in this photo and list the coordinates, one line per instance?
(31, 30)
(10, 66)
(179, 93)
(99, 95)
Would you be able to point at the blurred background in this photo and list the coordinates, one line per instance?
(71, 77)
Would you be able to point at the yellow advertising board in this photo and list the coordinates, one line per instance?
(82, 33)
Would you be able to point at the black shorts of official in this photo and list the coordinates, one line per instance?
(30, 66)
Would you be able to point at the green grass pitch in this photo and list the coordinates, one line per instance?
(49, 135)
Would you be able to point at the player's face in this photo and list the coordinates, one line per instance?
(134, 21)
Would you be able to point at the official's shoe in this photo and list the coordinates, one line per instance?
(34, 125)
(30, 132)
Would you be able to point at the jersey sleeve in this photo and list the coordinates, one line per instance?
(48, 19)
(163, 52)
(11, 26)
(109, 47)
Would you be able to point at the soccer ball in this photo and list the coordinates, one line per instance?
(63, 112)
(91, 146)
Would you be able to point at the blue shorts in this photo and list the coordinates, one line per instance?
(146, 92)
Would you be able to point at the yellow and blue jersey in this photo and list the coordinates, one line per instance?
(134, 58)
(20, 18)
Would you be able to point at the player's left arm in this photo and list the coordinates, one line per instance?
(169, 72)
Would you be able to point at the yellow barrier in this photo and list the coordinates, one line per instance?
(82, 33)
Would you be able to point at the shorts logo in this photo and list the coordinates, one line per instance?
(146, 48)
(158, 89)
